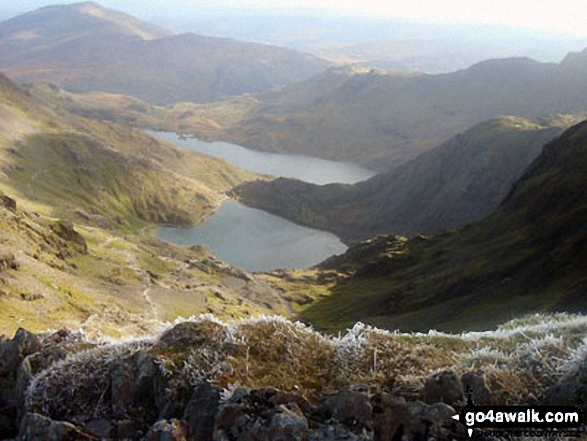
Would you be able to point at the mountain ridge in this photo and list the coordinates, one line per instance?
(525, 257)
(85, 47)
(455, 183)
(382, 119)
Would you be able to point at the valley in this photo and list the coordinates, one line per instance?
(210, 239)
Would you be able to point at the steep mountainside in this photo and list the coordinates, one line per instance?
(528, 256)
(380, 119)
(56, 168)
(84, 47)
(85, 169)
(460, 181)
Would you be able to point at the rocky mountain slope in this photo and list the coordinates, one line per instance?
(85, 47)
(270, 379)
(527, 256)
(460, 181)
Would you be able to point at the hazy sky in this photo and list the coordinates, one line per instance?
(567, 15)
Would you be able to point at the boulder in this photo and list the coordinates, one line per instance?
(132, 385)
(102, 428)
(65, 230)
(350, 407)
(445, 387)
(434, 422)
(8, 203)
(173, 430)
(13, 352)
(391, 417)
(289, 424)
(38, 427)
(474, 384)
(200, 412)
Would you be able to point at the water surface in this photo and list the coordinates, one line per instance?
(255, 240)
(304, 168)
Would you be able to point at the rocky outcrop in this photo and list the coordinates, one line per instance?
(38, 427)
(129, 392)
(445, 387)
(65, 230)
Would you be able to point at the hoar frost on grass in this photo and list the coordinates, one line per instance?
(519, 360)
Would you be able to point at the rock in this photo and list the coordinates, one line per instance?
(336, 433)
(8, 260)
(38, 427)
(34, 364)
(121, 387)
(288, 425)
(173, 430)
(391, 417)
(8, 413)
(232, 422)
(444, 387)
(239, 395)
(201, 410)
(146, 370)
(13, 352)
(8, 203)
(349, 407)
(102, 428)
(7, 429)
(126, 429)
(65, 230)
(287, 398)
(561, 394)
(132, 385)
(433, 421)
(474, 384)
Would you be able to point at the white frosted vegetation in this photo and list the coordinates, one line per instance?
(519, 360)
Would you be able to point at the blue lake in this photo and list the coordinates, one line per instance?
(253, 239)
(304, 168)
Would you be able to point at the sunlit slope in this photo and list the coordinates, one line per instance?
(85, 47)
(528, 256)
(455, 183)
(100, 172)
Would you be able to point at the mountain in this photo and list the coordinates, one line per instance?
(527, 256)
(76, 197)
(382, 119)
(85, 47)
(449, 186)
(72, 167)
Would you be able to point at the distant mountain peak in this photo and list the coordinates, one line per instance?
(83, 18)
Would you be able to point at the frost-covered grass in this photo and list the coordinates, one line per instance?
(519, 360)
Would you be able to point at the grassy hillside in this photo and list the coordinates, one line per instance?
(527, 256)
(84, 47)
(94, 171)
(458, 182)
(55, 168)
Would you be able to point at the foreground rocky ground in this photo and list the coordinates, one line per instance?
(270, 379)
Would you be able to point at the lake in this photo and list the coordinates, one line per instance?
(253, 239)
(305, 168)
